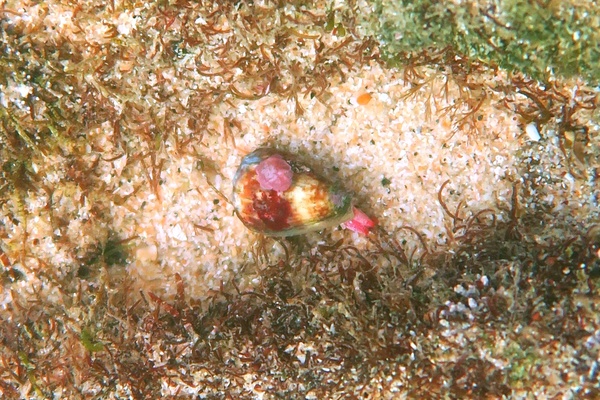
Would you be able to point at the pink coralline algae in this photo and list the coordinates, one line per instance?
(274, 173)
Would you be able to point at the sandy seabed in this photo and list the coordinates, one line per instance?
(177, 123)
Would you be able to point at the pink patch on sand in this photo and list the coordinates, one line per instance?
(360, 223)
(274, 173)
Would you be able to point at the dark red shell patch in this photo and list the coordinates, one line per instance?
(272, 209)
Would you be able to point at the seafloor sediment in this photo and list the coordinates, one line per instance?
(127, 273)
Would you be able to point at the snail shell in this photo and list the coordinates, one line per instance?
(278, 196)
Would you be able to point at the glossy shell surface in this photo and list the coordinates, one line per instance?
(304, 204)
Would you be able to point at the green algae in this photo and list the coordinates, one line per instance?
(539, 39)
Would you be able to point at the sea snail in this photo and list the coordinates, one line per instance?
(278, 196)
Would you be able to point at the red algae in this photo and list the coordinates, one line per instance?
(274, 173)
